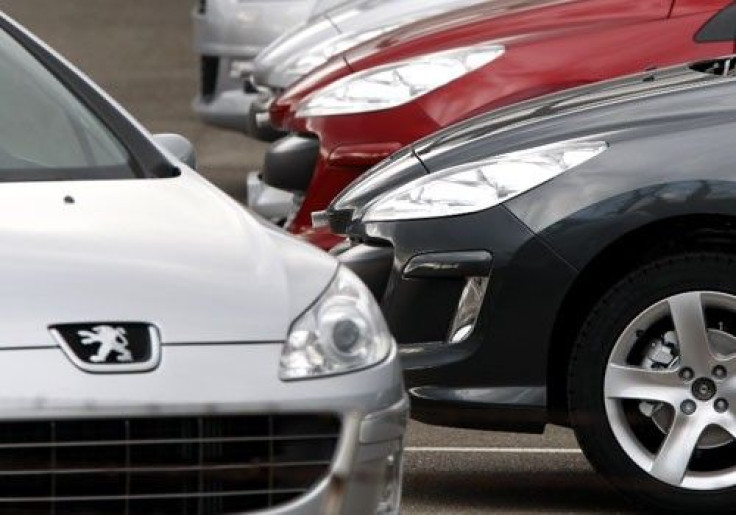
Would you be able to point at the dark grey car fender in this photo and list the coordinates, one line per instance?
(645, 180)
(646, 196)
(664, 184)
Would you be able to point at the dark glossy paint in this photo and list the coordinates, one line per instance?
(551, 45)
(602, 109)
(670, 155)
(670, 165)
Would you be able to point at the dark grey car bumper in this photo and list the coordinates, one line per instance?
(496, 378)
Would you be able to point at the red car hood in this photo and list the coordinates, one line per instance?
(497, 20)
(500, 20)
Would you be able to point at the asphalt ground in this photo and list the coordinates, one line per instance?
(140, 51)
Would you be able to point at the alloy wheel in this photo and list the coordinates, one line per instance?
(670, 390)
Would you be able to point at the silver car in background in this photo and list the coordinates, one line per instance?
(228, 34)
(163, 350)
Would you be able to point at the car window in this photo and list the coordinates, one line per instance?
(44, 128)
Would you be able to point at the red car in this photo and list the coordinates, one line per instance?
(364, 105)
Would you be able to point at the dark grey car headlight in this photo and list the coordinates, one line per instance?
(342, 332)
(478, 186)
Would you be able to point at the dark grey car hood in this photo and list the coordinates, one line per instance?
(678, 95)
(611, 110)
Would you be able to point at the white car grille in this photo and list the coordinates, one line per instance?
(199, 465)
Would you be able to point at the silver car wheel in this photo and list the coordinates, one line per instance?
(674, 369)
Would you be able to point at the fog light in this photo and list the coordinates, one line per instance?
(468, 310)
(391, 493)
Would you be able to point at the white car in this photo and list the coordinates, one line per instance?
(163, 350)
(228, 35)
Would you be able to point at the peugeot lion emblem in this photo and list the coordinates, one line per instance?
(110, 339)
(111, 347)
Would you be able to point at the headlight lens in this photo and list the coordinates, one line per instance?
(320, 54)
(395, 84)
(342, 332)
(478, 186)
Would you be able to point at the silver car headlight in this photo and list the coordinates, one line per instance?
(474, 187)
(320, 54)
(342, 332)
(398, 83)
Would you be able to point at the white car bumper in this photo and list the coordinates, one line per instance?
(213, 425)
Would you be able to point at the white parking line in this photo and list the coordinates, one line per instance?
(496, 450)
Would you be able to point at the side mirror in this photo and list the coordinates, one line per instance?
(179, 147)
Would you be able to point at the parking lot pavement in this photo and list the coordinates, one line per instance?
(140, 52)
(468, 472)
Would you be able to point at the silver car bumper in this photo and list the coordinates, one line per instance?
(221, 380)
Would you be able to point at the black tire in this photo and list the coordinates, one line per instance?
(616, 309)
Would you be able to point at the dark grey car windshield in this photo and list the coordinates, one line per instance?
(46, 133)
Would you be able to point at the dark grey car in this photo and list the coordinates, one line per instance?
(572, 260)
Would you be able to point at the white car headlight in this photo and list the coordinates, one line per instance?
(474, 187)
(320, 54)
(343, 331)
(395, 84)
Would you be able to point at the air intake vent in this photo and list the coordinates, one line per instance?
(197, 465)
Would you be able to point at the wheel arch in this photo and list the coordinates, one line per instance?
(651, 241)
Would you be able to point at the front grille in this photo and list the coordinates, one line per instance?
(209, 68)
(187, 465)
(201, 6)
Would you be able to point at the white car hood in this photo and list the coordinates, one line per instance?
(177, 253)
